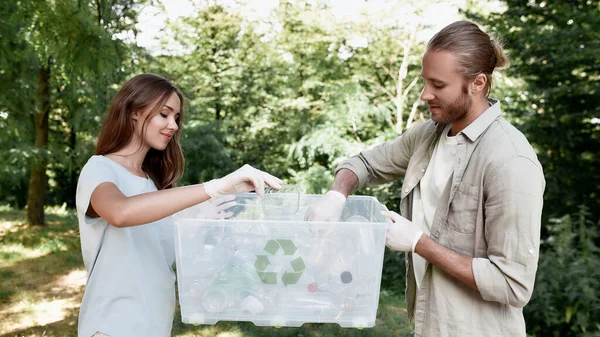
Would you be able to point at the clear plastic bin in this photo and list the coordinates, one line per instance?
(279, 270)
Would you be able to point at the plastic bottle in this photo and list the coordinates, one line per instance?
(317, 303)
(282, 203)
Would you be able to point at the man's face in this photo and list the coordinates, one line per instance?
(445, 89)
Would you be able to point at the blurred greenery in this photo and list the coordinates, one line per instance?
(567, 292)
(297, 91)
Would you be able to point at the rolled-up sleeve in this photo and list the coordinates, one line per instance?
(513, 208)
(385, 162)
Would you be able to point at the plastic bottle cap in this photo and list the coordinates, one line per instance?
(346, 277)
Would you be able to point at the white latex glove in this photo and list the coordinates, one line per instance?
(327, 208)
(401, 235)
(244, 179)
(210, 209)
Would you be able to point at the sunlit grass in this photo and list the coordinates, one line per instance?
(28, 314)
(20, 241)
(41, 277)
(12, 254)
(44, 303)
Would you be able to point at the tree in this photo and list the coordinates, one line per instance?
(555, 50)
(51, 35)
(390, 61)
(215, 66)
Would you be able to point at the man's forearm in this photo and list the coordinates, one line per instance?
(454, 264)
(345, 182)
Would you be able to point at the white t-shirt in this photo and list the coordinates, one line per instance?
(130, 289)
(428, 192)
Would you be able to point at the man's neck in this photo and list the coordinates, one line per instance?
(477, 109)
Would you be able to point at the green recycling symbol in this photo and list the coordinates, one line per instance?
(263, 262)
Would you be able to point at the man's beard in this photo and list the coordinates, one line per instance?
(458, 109)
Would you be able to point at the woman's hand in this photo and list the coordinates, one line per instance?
(245, 179)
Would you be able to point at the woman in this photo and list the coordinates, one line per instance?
(125, 195)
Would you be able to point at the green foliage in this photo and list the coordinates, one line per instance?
(393, 276)
(566, 297)
(203, 165)
(59, 235)
(343, 127)
(75, 42)
(315, 180)
(555, 50)
(290, 98)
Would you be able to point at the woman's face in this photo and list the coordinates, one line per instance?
(160, 127)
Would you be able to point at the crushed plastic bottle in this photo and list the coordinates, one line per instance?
(318, 303)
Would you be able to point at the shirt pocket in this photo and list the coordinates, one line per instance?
(462, 213)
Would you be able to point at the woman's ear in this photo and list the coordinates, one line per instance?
(135, 115)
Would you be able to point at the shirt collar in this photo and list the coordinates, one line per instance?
(476, 128)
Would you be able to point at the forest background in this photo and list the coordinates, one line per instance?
(293, 90)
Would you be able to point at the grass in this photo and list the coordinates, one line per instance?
(42, 281)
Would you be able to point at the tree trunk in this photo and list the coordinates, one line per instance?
(37, 177)
(73, 176)
(218, 102)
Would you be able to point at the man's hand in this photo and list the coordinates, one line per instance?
(327, 208)
(243, 180)
(402, 235)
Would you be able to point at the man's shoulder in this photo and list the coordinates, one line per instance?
(504, 141)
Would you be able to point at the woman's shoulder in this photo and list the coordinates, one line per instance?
(97, 164)
(96, 160)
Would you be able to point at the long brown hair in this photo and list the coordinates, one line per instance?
(477, 52)
(164, 167)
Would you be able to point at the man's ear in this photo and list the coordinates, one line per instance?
(478, 84)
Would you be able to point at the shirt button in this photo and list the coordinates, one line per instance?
(422, 170)
(531, 251)
(406, 190)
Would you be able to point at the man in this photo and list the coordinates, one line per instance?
(471, 196)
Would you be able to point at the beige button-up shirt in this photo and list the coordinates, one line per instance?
(490, 210)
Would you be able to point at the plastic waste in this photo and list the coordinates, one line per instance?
(357, 218)
(319, 303)
(252, 305)
(281, 203)
(367, 241)
(216, 300)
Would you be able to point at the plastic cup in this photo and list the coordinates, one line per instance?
(281, 203)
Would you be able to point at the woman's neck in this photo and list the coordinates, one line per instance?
(131, 157)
